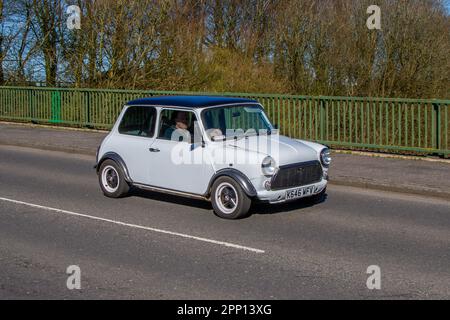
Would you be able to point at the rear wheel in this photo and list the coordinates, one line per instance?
(229, 200)
(112, 180)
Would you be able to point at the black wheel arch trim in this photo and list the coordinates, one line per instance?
(117, 159)
(239, 177)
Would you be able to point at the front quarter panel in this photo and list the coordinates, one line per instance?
(229, 157)
(318, 148)
(313, 145)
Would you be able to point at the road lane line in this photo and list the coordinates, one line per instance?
(182, 235)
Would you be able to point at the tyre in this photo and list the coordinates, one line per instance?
(229, 200)
(112, 180)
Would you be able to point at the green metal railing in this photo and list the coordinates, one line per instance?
(400, 125)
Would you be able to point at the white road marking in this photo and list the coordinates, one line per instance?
(220, 243)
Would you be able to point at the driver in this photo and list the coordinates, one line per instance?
(181, 124)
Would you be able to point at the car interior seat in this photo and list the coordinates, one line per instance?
(165, 124)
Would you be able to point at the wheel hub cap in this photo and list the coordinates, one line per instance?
(227, 199)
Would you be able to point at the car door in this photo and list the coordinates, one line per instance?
(134, 137)
(177, 162)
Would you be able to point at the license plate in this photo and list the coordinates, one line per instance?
(301, 192)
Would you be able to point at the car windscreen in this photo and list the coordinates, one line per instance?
(232, 121)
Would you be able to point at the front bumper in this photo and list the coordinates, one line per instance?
(279, 196)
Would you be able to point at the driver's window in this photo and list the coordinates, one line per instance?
(177, 125)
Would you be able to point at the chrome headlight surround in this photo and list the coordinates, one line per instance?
(325, 157)
(269, 166)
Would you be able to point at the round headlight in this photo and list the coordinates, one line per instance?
(268, 166)
(325, 157)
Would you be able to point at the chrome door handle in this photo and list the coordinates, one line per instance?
(154, 150)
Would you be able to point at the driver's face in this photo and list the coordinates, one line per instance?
(182, 120)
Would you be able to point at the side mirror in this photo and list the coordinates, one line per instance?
(218, 138)
(276, 126)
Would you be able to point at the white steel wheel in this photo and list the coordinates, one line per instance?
(227, 198)
(110, 179)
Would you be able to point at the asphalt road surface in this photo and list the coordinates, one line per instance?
(53, 215)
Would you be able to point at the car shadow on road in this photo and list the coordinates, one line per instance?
(268, 209)
(163, 197)
(257, 208)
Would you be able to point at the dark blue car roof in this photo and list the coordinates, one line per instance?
(188, 101)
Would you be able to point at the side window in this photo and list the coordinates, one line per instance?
(138, 121)
(176, 125)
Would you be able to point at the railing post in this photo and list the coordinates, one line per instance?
(322, 119)
(31, 100)
(88, 108)
(437, 125)
(446, 144)
(56, 106)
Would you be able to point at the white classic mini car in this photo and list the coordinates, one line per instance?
(224, 150)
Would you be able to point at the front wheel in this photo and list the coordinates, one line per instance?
(112, 180)
(319, 198)
(229, 200)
